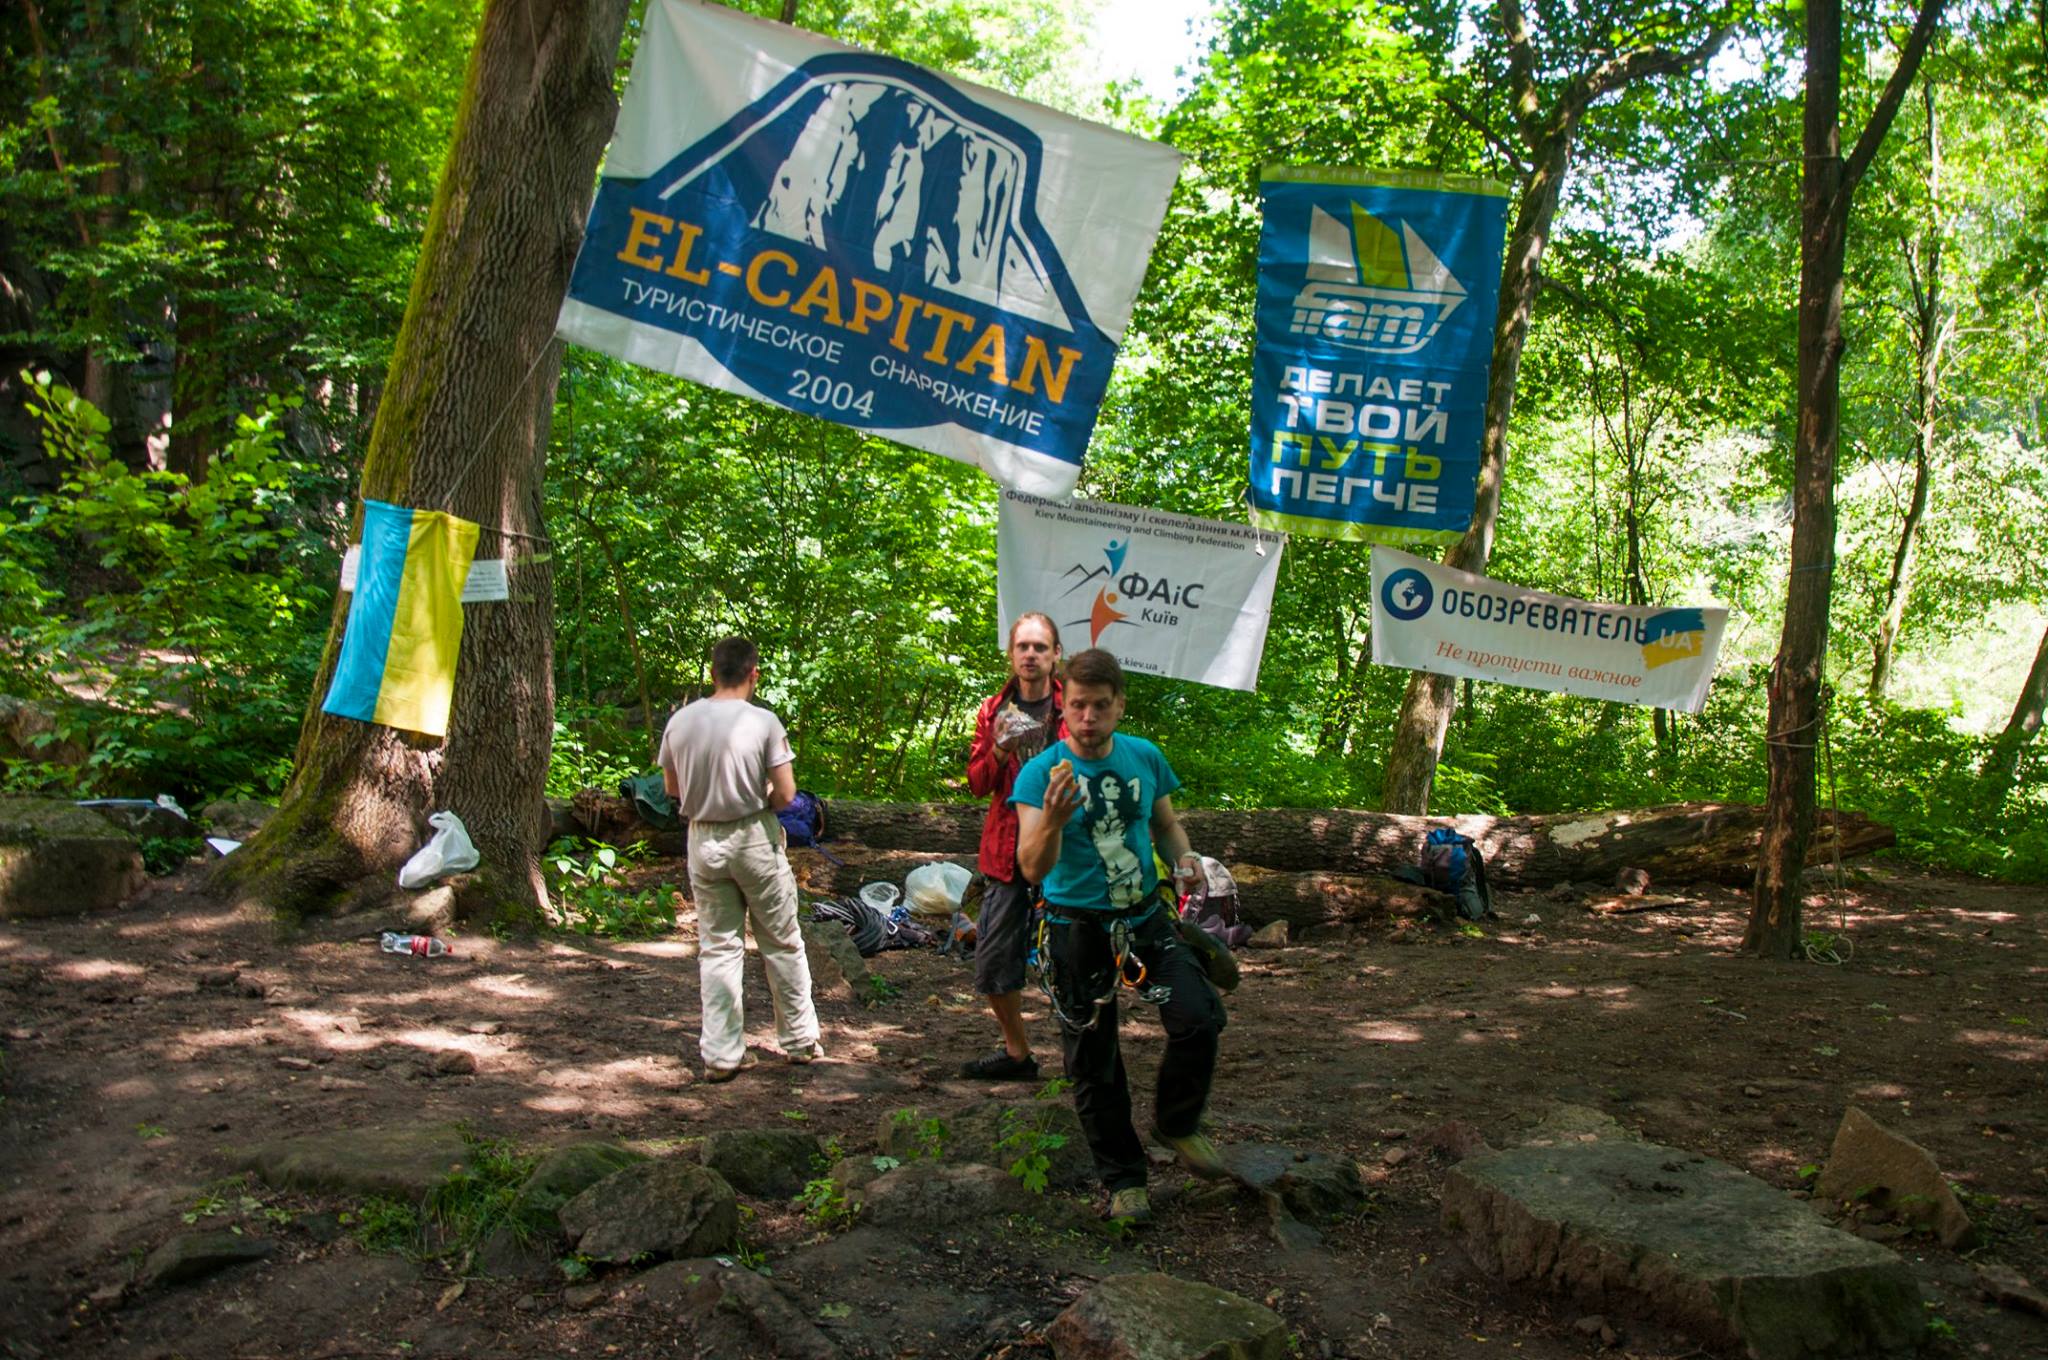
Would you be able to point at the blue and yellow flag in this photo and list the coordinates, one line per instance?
(404, 628)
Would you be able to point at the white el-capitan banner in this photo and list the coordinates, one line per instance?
(1428, 617)
(1169, 595)
(856, 237)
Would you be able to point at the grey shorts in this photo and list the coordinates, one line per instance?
(1002, 937)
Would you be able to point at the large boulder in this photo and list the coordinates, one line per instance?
(662, 1208)
(764, 1163)
(567, 1171)
(1870, 1163)
(57, 859)
(1630, 1226)
(1157, 1317)
(397, 1161)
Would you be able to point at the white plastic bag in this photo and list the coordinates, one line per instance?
(936, 889)
(449, 852)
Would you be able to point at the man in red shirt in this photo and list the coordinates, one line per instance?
(1015, 724)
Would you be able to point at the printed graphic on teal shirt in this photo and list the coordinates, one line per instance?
(1105, 858)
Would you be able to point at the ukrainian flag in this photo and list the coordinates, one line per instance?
(404, 627)
(1674, 635)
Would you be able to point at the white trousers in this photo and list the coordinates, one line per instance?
(738, 870)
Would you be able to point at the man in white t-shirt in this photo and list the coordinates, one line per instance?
(727, 763)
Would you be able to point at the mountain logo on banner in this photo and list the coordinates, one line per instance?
(1154, 600)
(1372, 286)
(1674, 635)
(897, 172)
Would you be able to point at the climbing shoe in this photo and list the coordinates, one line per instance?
(1197, 1154)
(1130, 1205)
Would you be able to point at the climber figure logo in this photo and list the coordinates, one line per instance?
(1103, 613)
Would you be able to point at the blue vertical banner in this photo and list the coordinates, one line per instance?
(1377, 292)
(861, 239)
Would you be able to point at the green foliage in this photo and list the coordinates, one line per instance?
(471, 1204)
(165, 625)
(386, 1225)
(824, 1204)
(162, 854)
(929, 1139)
(1027, 1138)
(590, 899)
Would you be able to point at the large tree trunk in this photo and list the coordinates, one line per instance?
(1548, 133)
(463, 426)
(2002, 767)
(1793, 729)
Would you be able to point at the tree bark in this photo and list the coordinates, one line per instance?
(1318, 899)
(2002, 767)
(463, 426)
(1793, 729)
(1549, 134)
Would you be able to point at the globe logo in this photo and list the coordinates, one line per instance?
(1407, 595)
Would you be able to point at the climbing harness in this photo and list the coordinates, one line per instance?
(1122, 973)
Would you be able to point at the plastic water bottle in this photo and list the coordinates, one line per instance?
(419, 946)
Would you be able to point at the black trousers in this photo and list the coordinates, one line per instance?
(1083, 968)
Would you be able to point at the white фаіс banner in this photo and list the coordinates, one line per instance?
(1428, 617)
(1169, 595)
(859, 238)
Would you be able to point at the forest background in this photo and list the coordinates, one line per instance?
(213, 211)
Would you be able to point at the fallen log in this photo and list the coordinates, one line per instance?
(1319, 899)
(1675, 843)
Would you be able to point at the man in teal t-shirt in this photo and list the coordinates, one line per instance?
(1089, 811)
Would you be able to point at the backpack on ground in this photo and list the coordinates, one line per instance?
(803, 821)
(1451, 863)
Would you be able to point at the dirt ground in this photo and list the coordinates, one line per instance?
(142, 1047)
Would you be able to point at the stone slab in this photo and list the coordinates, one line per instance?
(1621, 1226)
(398, 1161)
(57, 859)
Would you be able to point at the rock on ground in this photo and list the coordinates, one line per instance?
(1314, 1188)
(1623, 1224)
(1272, 935)
(838, 972)
(663, 1208)
(765, 1163)
(236, 819)
(57, 859)
(1870, 1163)
(997, 1132)
(732, 1310)
(399, 1161)
(567, 1171)
(1157, 1317)
(194, 1256)
(934, 1194)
